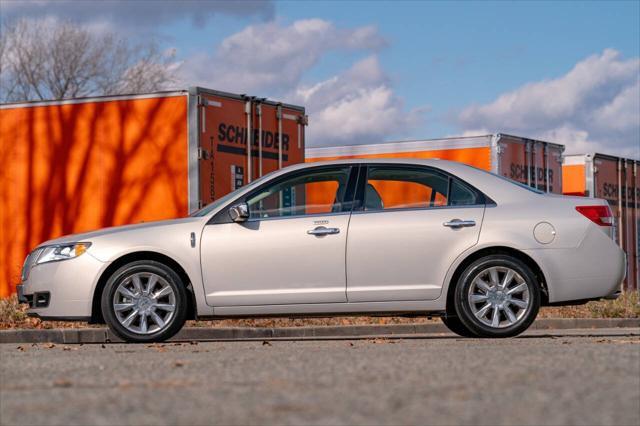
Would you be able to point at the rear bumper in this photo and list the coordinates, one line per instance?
(593, 270)
(613, 296)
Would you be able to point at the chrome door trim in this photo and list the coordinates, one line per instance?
(457, 223)
(320, 231)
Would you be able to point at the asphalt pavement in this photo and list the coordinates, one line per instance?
(570, 378)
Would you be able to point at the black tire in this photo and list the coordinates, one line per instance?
(454, 324)
(171, 327)
(463, 308)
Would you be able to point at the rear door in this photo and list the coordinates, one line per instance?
(410, 226)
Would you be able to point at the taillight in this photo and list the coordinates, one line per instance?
(600, 215)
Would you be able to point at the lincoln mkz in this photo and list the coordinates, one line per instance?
(383, 237)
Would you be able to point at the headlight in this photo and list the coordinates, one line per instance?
(28, 263)
(62, 252)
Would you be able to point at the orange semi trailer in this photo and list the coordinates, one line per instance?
(618, 181)
(532, 162)
(75, 165)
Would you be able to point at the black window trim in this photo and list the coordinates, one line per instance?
(222, 216)
(358, 202)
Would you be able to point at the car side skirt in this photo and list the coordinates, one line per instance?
(403, 307)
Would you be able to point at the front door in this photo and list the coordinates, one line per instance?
(413, 224)
(292, 248)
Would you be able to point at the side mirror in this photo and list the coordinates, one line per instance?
(239, 213)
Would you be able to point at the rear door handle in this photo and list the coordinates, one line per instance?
(457, 223)
(322, 230)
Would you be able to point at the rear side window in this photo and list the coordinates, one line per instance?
(389, 188)
(462, 195)
(396, 187)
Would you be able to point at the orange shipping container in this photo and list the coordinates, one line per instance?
(531, 162)
(80, 164)
(617, 180)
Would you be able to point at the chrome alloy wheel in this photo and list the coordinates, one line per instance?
(144, 303)
(499, 297)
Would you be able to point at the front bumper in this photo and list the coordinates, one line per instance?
(62, 290)
(35, 300)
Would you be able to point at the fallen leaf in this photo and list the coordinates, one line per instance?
(62, 383)
(179, 364)
(379, 340)
(266, 343)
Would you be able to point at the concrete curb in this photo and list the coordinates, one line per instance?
(103, 335)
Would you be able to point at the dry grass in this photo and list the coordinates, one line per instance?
(626, 306)
(13, 315)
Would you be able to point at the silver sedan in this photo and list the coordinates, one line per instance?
(346, 237)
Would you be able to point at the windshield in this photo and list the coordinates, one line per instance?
(230, 196)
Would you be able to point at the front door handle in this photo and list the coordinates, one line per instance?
(321, 230)
(457, 223)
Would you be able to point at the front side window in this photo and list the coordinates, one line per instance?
(312, 192)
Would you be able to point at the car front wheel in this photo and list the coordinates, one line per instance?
(144, 301)
(497, 296)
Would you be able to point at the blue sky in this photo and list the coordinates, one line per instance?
(562, 71)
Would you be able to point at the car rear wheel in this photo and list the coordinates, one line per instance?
(145, 301)
(497, 296)
(454, 324)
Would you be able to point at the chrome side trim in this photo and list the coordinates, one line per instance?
(411, 209)
(300, 216)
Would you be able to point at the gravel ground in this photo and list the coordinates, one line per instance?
(589, 378)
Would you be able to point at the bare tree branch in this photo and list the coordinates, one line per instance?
(44, 59)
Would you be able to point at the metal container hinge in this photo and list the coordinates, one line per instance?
(203, 154)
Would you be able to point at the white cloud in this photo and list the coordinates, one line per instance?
(355, 106)
(594, 107)
(140, 13)
(272, 57)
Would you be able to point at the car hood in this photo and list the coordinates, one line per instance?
(88, 236)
